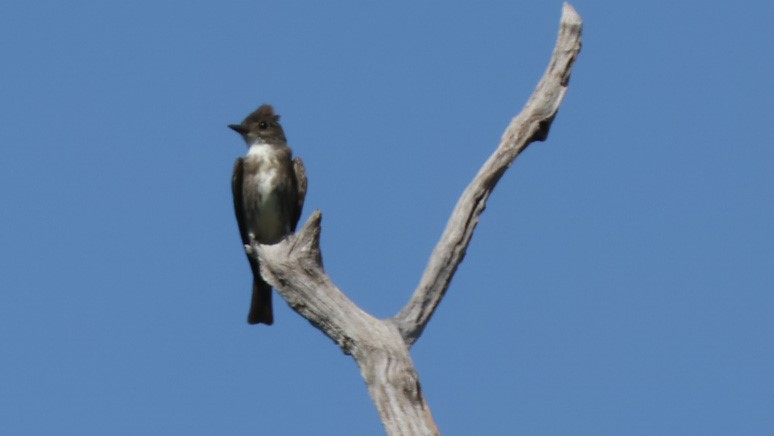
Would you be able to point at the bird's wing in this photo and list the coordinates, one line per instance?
(236, 189)
(301, 181)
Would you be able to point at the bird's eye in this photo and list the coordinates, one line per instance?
(262, 125)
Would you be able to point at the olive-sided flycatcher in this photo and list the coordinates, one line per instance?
(269, 187)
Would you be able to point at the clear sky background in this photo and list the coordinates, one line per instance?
(621, 281)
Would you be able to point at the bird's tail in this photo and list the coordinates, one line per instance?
(260, 307)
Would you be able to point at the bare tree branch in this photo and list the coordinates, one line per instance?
(532, 124)
(381, 347)
(294, 268)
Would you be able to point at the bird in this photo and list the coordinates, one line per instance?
(269, 188)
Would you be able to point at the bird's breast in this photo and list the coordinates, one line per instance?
(263, 187)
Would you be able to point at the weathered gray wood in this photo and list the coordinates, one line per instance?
(294, 268)
(532, 124)
(381, 347)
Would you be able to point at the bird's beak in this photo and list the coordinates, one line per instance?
(238, 128)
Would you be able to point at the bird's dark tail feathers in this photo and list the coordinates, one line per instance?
(260, 307)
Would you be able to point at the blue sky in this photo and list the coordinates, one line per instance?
(621, 280)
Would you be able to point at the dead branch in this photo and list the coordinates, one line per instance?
(381, 347)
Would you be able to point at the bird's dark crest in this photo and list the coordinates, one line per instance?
(264, 113)
(263, 123)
